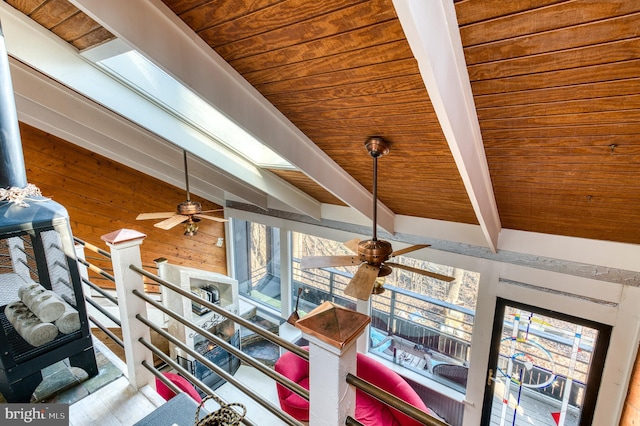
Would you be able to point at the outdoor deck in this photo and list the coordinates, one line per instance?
(533, 409)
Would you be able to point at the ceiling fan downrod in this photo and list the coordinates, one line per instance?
(188, 208)
(186, 174)
(377, 147)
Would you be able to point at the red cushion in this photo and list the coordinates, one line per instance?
(181, 383)
(369, 411)
(297, 370)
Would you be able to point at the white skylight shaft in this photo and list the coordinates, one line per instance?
(143, 76)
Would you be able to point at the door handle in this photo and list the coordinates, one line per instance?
(490, 377)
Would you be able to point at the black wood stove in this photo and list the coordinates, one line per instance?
(36, 255)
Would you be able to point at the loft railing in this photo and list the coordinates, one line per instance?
(136, 327)
(84, 260)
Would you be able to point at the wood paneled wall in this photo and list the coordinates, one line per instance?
(103, 196)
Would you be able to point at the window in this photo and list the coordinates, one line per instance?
(319, 285)
(257, 262)
(144, 77)
(418, 322)
(426, 324)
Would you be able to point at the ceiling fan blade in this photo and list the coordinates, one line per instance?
(352, 245)
(204, 216)
(421, 271)
(212, 211)
(326, 261)
(171, 222)
(158, 215)
(362, 282)
(409, 249)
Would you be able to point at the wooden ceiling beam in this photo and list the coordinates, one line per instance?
(432, 31)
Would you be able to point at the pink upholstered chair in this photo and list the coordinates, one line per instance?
(182, 383)
(369, 411)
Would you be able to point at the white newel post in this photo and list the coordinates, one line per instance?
(331, 398)
(125, 251)
(332, 332)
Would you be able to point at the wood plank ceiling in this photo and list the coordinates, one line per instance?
(555, 82)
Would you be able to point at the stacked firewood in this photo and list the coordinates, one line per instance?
(40, 314)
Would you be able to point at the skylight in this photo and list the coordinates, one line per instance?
(150, 81)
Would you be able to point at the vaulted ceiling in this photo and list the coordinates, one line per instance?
(522, 114)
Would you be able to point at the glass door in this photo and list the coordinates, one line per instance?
(544, 367)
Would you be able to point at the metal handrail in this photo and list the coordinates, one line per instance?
(235, 318)
(106, 331)
(436, 302)
(104, 312)
(92, 247)
(393, 401)
(219, 371)
(104, 294)
(159, 375)
(304, 393)
(183, 372)
(97, 270)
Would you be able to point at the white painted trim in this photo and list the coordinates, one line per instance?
(594, 252)
(345, 214)
(623, 349)
(106, 50)
(480, 343)
(559, 303)
(439, 229)
(50, 107)
(584, 287)
(287, 299)
(432, 30)
(168, 42)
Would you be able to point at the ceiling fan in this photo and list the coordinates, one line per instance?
(373, 255)
(188, 212)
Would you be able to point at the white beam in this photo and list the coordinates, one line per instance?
(170, 44)
(432, 30)
(51, 107)
(608, 254)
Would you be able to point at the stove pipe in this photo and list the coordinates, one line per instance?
(12, 171)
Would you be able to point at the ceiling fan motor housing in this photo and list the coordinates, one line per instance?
(375, 252)
(189, 207)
